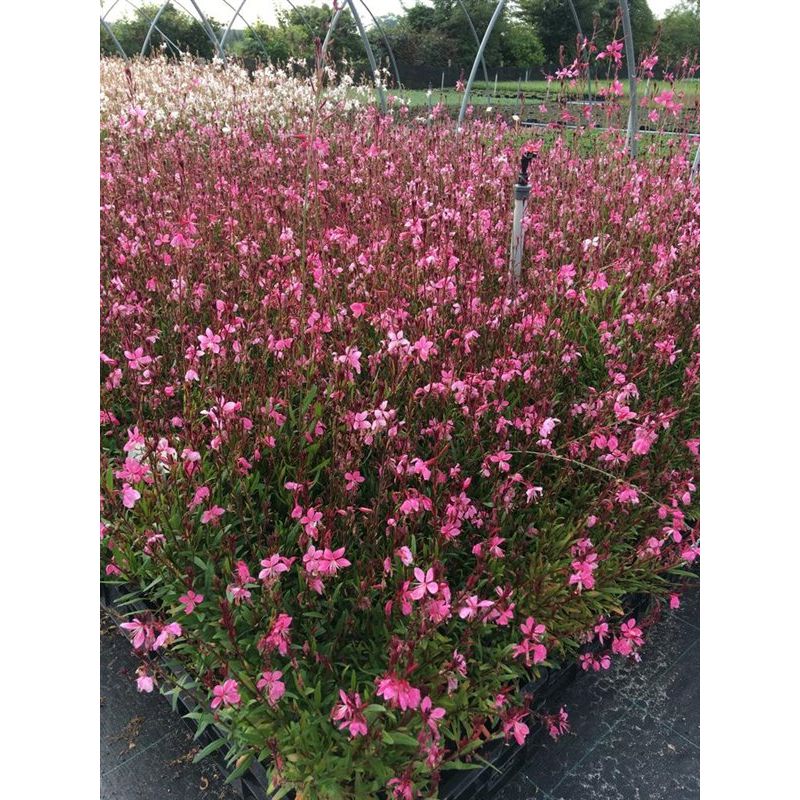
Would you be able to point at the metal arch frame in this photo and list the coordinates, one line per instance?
(302, 17)
(208, 29)
(370, 55)
(219, 46)
(501, 4)
(152, 27)
(249, 27)
(331, 28)
(108, 30)
(163, 35)
(633, 122)
(477, 40)
(583, 40)
(386, 42)
(695, 170)
(633, 114)
(236, 13)
(335, 21)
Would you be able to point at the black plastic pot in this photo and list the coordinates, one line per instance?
(474, 784)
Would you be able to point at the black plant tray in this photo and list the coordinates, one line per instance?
(501, 758)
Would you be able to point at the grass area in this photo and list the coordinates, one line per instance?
(506, 92)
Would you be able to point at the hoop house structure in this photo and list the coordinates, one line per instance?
(220, 43)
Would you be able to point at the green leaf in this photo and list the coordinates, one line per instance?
(398, 737)
(460, 765)
(281, 792)
(209, 749)
(241, 769)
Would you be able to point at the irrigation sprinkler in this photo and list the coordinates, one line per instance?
(522, 190)
(487, 34)
(633, 114)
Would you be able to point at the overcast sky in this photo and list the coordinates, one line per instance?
(265, 9)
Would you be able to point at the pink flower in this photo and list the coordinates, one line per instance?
(133, 471)
(270, 683)
(143, 636)
(349, 714)
(310, 521)
(514, 726)
(531, 647)
(628, 494)
(226, 693)
(239, 594)
(398, 692)
(351, 358)
(353, 479)
(212, 515)
(358, 309)
(403, 788)
(674, 601)
(333, 560)
(405, 555)
(423, 348)
(666, 99)
(557, 724)
(190, 601)
(643, 442)
(426, 584)
(273, 566)
(278, 637)
(631, 631)
(431, 715)
(168, 633)
(129, 495)
(145, 683)
(137, 359)
(209, 341)
(201, 494)
(472, 607)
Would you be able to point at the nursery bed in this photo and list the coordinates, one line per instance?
(501, 758)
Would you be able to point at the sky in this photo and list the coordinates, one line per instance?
(265, 9)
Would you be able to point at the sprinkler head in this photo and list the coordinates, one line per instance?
(524, 164)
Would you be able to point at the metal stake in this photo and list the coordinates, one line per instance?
(490, 27)
(633, 115)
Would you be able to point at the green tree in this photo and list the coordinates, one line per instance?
(555, 24)
(680, 33)
(522, 46)
(295, 37)
(175, 30)
(643, 23)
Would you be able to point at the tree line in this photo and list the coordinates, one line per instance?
(529, 34)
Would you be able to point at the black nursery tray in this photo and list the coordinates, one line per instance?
(500, 759)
